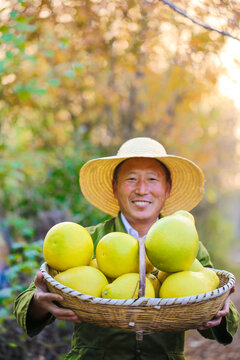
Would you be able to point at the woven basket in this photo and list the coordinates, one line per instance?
(144, 315)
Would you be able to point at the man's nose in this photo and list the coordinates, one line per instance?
(141, 187)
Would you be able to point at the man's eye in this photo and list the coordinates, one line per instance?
(153, 179)
(131, 179)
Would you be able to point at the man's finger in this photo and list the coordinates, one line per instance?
(61, 313)
(47, 296)
(40, 282)
(214, 322)
(225, 310)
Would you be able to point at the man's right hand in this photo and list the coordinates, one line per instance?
(43, 303)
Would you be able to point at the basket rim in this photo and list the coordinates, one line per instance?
(144, 301)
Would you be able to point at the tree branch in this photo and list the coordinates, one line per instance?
(197, 21)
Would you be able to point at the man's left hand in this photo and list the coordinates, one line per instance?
(218, 317)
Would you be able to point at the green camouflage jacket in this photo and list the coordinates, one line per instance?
(91, 342)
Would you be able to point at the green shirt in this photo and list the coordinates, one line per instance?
(91, 342)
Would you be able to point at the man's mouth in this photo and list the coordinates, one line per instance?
(141, 202)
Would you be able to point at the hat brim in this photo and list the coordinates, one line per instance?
(186, 192)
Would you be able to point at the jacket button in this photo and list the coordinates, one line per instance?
(138, 351)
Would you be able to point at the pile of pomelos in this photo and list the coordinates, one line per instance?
(172, 269)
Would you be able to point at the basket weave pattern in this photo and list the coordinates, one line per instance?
(144, 314)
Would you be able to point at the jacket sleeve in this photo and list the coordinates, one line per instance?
(21, 307)
(224, 332)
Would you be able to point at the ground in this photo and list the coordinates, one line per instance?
(199, 348)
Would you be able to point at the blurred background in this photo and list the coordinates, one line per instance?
(80, 77)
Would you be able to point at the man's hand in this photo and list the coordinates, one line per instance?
(218, 317)
(43, 303)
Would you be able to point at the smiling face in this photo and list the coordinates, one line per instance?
(141, 189)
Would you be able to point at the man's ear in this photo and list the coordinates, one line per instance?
(114, 187)
(169, 187)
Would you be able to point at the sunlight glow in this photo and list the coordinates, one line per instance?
(229, 83)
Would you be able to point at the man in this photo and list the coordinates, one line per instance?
(137, 186)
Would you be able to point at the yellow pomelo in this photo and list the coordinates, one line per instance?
(162, 275)
(155, 282)
(126, 287)
(67, 245)
(209, 273)
(185, 283)
(85, 279)
(196, 266)
(212, 277)
(172, 243)
(117, 253)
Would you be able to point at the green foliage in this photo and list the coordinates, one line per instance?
(23, 262)
(31, 188)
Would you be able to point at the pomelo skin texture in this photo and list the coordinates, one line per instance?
(126, 287)
(85, 279)
(186, 283)
(67, 245)
(172, 243)
(185, 213)
(212, 276)
(117, 253)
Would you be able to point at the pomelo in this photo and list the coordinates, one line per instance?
(185, 213)
(149, 265)
(67, 245)
(172, 243)
(162, 275)
(196, 266)
(85, 279)
(186, 283)
(117, 253)
(126, 287)
(212, 277)
(94, 263)
(210, 274)
(155, 282)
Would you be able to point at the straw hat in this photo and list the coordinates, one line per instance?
(187, 178)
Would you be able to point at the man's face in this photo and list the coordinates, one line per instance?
(141, 189)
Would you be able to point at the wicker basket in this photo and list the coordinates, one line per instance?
(144, 315)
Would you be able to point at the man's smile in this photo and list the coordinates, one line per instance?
(141, 202)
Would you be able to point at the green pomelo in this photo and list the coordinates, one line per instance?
(185, 213)
(172, 243)
(186, 283)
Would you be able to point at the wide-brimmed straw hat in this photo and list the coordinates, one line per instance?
(187, 178)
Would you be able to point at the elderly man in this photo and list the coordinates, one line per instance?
(137, 186)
